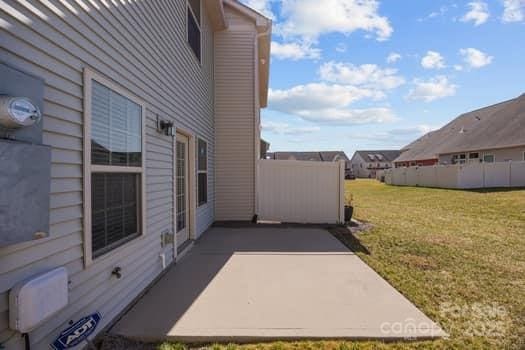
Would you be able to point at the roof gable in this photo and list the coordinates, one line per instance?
(376, 156)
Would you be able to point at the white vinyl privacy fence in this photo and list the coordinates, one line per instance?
(465, 176)
(301, 191)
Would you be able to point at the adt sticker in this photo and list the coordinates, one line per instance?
(78, 332)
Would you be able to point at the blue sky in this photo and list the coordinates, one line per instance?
(367, 74)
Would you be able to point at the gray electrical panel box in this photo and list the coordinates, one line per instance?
(24, 191)
(25, 166)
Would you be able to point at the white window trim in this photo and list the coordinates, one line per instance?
(523, 156)
(202, 172)
(89, 76)
(199, 25)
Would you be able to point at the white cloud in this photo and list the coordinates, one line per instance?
(433, 60)
(369, 76)
(397, 136)
(329, 103)
(413, 130)
(294, 51)
(432, 89)
(478, 13)
(393, 57)
(287, 129)
(475, 58)
(514, 11)
(261, 6)
(310, 19)
(434, 14)
(319, 95)
(458, 67)
(341, 47)
(350, 116)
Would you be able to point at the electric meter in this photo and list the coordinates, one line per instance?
(18, 112)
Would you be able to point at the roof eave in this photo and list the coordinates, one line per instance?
(215, 10)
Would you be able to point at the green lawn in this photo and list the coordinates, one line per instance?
(458, 255)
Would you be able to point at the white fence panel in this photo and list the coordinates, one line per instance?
(412, 176)
(471, 176)
(388, 176)
(466, 176)
(427, 176)
(447, 176)
(497, 174)
(517, 174)
(301, 191)
(399, 177)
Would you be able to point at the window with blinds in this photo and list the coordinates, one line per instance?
(114, 210)
(116, 168)
(115, 128)
(202, 172)
(194, 26)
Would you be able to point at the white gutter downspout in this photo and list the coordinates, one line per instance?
(257, 122)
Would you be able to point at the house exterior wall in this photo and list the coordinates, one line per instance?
(515, 154)
(236, 118)
(152, 60)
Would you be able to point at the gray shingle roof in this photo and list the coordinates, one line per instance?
(384, 155)
(498, 126)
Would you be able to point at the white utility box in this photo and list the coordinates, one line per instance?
(35, 300)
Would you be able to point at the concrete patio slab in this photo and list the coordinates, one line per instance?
(260, 284)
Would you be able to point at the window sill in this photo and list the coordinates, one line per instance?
(126, 244)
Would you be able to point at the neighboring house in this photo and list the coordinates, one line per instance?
(490, 134)
(151, 116)
(316, 156)
(366, 164)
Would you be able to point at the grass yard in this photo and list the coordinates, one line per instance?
(458, 255)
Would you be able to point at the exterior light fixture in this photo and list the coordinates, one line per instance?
(165, 127)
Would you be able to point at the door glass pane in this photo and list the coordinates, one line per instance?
(181, 185)
(203, 155)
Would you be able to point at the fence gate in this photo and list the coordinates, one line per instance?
(301, 191)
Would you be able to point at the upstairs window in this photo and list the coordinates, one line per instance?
(194, 27)
(202, 172)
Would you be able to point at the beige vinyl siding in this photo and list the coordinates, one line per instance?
(235, 119)
(151, 59)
